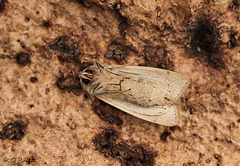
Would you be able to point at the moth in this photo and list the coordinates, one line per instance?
(148, 93)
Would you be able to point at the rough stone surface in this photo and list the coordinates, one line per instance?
(45, 117)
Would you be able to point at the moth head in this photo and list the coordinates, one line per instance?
(86, 76)
(90, 75)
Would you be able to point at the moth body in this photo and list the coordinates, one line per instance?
(145, 92)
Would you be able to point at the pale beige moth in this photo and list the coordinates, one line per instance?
(148, 93)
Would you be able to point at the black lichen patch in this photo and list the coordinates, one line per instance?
(69, 80)
(123, 27)
(218, 158)
(190, 108)
(69, 84)
(66, 49)
(107, 113)
(33, 79)
(23, 58)
(27, 19)
(157, 57)
(65, 46)
(204, 37)
(190, 163)
(200, 158)
(165, 135)
(204, 42)
(117, 52)
(13, 131)
(2, 5)
(85, 3)
(81, 1)
(237, 78)
(68, 55)
(232, 41)
(47, 24)
(106, 143)
(67, 52)
(234, 5)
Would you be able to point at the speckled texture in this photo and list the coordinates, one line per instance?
(45, 118)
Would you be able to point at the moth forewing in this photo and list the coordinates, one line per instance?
(147, 93)
(131, 107)
(164, 115)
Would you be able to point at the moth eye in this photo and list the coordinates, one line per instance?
(85, 81)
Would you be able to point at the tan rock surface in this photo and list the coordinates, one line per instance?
(45, 118)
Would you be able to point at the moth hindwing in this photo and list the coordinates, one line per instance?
(145, 92)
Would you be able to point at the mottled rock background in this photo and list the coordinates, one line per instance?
(45, 118)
